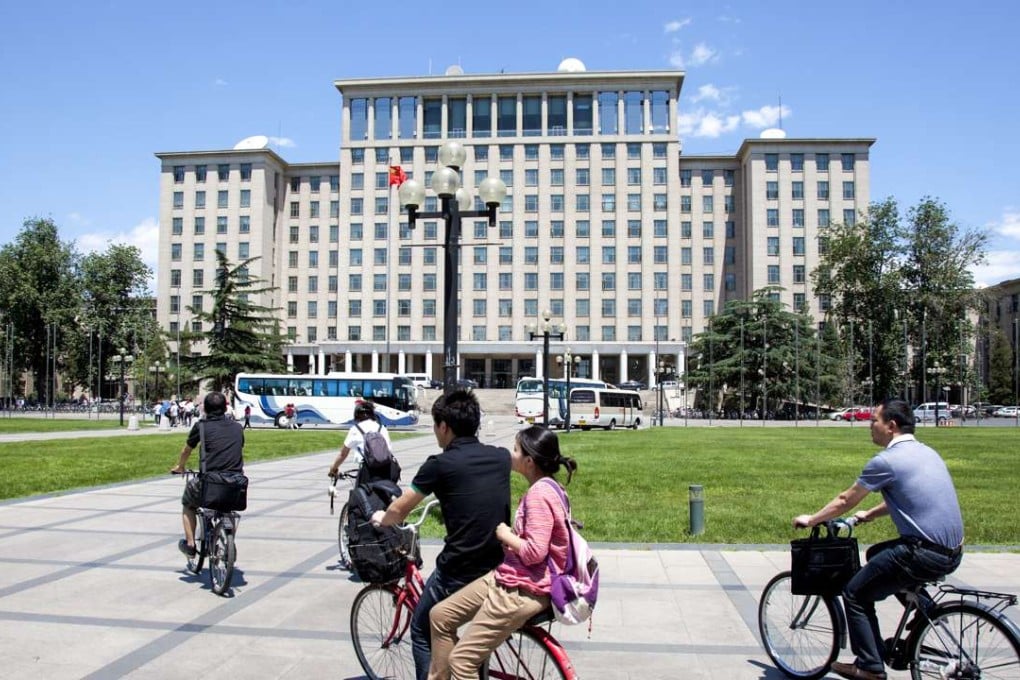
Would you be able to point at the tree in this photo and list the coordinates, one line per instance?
(39, 297)
(242, 336)
(884, 275)
(1000, 369)
(757, 355)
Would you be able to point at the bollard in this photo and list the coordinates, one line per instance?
(133, 423)
(491, 429)
(696, 499)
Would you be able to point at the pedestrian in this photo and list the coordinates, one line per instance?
(247, 417)
(291, 415)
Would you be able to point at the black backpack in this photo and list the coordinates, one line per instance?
(377, 555)
(378, 461)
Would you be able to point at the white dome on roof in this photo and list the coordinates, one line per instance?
(454, 70)
(571, 65)
(773, 133)
(253, 142)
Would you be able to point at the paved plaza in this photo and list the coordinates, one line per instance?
(92, 586)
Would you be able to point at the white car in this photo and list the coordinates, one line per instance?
(1006, 412)
(840, 414)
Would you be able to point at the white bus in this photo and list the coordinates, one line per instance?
(528, 401)
(609, 408)
(325, 400)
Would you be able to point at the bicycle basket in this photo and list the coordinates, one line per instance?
(822, 565)
(382, 560)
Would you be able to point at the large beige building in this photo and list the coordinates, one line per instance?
(607, 225)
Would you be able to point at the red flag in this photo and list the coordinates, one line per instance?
(397, 175)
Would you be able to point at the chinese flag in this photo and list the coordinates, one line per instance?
(397, 175)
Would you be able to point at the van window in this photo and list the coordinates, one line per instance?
(582, 397)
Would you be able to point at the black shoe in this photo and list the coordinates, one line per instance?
(188, 550)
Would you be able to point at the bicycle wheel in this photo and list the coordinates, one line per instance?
(381, 633)
(342, 537)
(965, 640)
(221, 558)
(529, 654)
(799, 632)
(195, 562)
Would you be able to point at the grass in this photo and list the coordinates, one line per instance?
(20, 425)
(630, 486)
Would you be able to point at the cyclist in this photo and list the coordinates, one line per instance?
(365, 420)
(471, 480)
(918, 494)
(504, 599)
(224, 446)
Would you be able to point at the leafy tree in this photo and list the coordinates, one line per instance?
(885, 275)
(243, 336)
(38, 293)
(1000, 369)
(757, 355)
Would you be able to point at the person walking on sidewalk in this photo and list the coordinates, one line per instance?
(918, 493)
(247, 417)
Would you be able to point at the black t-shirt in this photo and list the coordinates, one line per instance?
(472, 482)
(224, 443)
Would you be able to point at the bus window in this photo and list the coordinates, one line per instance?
(324, 388)
(582, 397)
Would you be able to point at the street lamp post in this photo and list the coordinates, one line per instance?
(455, 202)
(937, 371)
(155, 369)
(122, 359)
(545, 330)
(662, 369)
(568, 360)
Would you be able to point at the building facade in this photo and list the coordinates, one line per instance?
(607, 225)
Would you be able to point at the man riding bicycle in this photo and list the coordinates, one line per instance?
(224, 445)
(472, 482)
(918, 493)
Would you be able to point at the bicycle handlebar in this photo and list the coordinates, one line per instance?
(414, 526)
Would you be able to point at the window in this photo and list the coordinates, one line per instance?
(582, 228)
(608, 203)
(556, 229)
(608, 307)
(686, 308)
(707, 204)
(609, 228)
(634, 281)
(480, 281)
(634, 202)
(179, 199)
(178, 226)
(797, 190)
(730, 255)
(506, 254)
(608, 281)
(772, 162)
(608, 177)
(822, 162)
(685, 204)
(686, 281)
(608, 254)
(823, 190)
(634, 151)
(685, 229)
(609, 333)
(772, 190)
(582, 307)
(242, 250)
(582, 202)
(798, 217)
(659, 176)
(772, 217)
(847, 160)
(198, 252)
(797, 162)
(531, 152)
(530, 281)
(633, 254)
(223, 171)
(848, 191)
(506, 116)
(731, 229)
(773, 274)
(582, 281)
(708, 282)
(798, 275)
(556, 255)
(823, 217)
(728, 203)
(660, 228)
(582, 177)
(730, 281)
(221, 224)
(685, 178)
(686, 256)
(708, 255)
(221, 199)
(849, 217)
(773, 245)
(478, 307)
(608, 151)
(708, 229)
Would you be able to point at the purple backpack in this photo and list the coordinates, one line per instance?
(573, 592)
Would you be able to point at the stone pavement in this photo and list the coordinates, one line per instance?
(92, 586)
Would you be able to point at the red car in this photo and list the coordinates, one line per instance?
(858, 413)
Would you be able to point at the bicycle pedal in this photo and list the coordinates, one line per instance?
(896, 654)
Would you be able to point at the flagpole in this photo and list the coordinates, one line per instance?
(389, 258)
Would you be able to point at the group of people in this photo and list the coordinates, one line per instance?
(181, 412)
(494, 568)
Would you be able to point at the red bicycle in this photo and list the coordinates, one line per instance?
(381, 631)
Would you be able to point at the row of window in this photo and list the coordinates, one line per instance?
(198, 225)
(497, 115)
(797, 162)
(222, 199)
(557, 152)
(797, 190)
(222, 172)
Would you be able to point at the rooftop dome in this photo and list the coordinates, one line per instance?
(571, 65)
(773, 133)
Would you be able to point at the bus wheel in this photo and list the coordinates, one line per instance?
(281, 420)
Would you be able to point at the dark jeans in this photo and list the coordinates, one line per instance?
(437, 588)
(892, 566)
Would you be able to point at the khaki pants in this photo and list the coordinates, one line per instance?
(492, 611)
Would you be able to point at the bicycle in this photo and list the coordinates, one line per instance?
(214, 538)
(381, 620)
(965, 633)
(343, 541)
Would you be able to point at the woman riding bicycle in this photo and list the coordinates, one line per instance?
(918, 493)
(365, 421)
(501, 601)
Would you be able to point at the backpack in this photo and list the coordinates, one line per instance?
(378, 555)
(378, 461)
(574, 591)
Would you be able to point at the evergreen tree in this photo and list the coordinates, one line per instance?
(1000, 369)
(242, 336)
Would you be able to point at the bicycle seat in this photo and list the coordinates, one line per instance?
(544, 616)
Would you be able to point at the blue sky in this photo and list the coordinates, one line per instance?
(89, 91)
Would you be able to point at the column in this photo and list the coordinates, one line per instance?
(570, 113)
(370, 123)
(428, 363)
(594, 114)
(469, 115)
(646, 113)
(595, 364)
(322, 361)
(623, 366)
(375, 361)
(652, 368)
(347, 360)
(538, 364)
(401, 362)
(290, 361)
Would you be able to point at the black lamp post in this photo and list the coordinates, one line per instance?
(938, 372)
(122, 358)
(546, 331)
(568, 360)
(155, 368)
(455, 202)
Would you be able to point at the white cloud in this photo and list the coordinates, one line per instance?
(709, 92)
(999, 266)
(76, 219)
(674, 26)
(144, 236)
(702, 123)
(1009, 225)
(219, 82)
(284, 142)
(703, 54)
(766, 116)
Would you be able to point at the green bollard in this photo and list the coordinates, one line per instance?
(696, 499)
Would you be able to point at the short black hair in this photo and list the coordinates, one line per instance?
(899, 412)
(460, 411)
(215, 404)
(364, 410)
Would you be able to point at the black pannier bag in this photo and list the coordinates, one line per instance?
(378, 555)
(822, 565)
(224, 491)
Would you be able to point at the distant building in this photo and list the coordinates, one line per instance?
(607, 224)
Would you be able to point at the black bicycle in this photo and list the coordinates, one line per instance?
(965, 634)
(343, 541)
(214, 538)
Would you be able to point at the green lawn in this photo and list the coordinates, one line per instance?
(19, 425)
(630, 486)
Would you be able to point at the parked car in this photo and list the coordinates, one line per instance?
(839, 414)
(1007, 412)
(857, 413)
(927, 412)
(435, 384)
(632, 385)
(467, 382)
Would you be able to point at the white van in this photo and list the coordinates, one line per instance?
(420, 380)
(604, 407)
(925, 413)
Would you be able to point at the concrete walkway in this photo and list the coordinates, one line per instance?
(92, 586)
